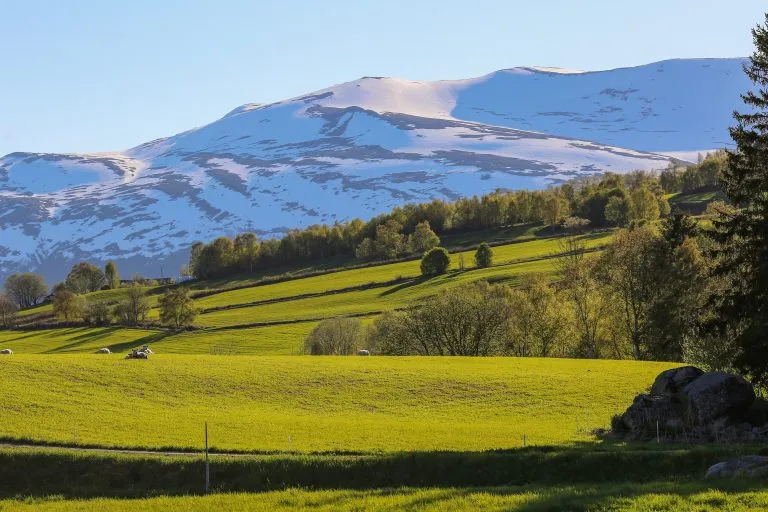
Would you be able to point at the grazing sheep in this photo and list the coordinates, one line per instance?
(6, 351)
(363, 353)
(146, 349)
(104, 351)
(137, 354)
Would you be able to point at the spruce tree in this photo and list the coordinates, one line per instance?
(741, 232)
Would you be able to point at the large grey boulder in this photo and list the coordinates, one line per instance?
(749, 466)
(686, 404)
(719, 395)
(648, 411)
(671, 382)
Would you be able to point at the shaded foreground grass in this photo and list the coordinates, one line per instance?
(657, 496)
(42, 472)
(283, 403)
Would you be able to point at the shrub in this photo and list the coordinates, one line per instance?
(436, 261)
(334, 337)
(484, 256)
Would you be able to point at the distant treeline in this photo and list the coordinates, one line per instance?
(594, 201)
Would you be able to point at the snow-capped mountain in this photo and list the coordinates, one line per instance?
(355, 150)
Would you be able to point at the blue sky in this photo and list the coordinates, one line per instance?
(98, 75)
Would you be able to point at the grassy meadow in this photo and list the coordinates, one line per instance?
(305, 404)
(274, 319)
(330, 433)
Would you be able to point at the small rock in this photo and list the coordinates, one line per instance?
(749, 466)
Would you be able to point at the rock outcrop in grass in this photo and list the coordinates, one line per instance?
(686, 404)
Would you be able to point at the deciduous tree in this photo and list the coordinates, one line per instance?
(26, 289)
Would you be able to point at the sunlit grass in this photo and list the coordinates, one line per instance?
(314, 403)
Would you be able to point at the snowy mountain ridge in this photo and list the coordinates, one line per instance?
(355, 150)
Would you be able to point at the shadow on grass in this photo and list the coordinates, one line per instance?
(84, 474)
(93, 335)
(154, 337)
(404, 286)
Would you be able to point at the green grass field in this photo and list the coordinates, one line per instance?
(284, 339)
(371, 300)
(385, 273)
(76, 339)
(657, 496)
(314, 404)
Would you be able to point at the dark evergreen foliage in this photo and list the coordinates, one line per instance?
(741, 233)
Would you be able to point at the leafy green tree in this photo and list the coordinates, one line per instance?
(741, 233)
(556, 207)
(618, 210)
(536, 324)
(633, 268)
(390, 243)
(436, 261)
(177, 308)
(583, 295)
(26, 289)
(68, 306)
(246, 247)
(112, 275)
(484, 256)
(365, 250)
(85, 278)
(423, 238)
(645, 204)
(8, 310)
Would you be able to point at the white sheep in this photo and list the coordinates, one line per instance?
(104, 351)
(6, 351)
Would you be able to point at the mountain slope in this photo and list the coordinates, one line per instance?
(355, 149)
